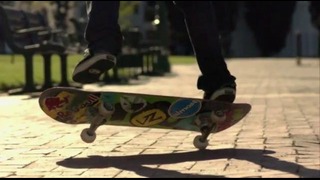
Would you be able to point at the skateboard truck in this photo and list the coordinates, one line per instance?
(206, 122)
(105, 110)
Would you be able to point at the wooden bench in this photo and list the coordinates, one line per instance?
(28, 34)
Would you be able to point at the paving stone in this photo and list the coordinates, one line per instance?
(278, 138)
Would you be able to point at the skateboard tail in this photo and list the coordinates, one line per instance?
(68, 106)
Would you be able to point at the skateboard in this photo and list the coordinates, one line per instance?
(75, 106)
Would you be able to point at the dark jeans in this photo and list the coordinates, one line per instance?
(103, 32)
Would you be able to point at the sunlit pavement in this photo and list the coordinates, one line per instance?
(279, 138)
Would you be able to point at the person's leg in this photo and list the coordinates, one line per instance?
(203, 32)
(104, 39)
(103, 31)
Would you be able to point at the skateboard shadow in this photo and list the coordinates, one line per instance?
(135, 163)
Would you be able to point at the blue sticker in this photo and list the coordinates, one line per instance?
(184, 108)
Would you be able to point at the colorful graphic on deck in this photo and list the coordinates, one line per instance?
(184, 108)
(73, 106)
(69, 108)
(132, 104)
(149, 118)
(55, 102)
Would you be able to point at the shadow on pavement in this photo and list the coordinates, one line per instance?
(135, 163)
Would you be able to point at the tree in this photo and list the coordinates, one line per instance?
(127, 9)
(270, 22)
(314, 9)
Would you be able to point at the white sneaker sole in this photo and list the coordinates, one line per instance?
(223, 92)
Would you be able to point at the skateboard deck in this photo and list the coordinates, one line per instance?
(75, 106)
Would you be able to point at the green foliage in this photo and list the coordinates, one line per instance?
(127, 9)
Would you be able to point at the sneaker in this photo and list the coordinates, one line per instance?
(92, 66)
(226, 93)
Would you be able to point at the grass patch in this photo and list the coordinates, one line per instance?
(182, 60)
(12, 69)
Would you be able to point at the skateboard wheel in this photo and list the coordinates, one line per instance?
(218, 116)
(88, 137)
(105, 109)
(199, 143)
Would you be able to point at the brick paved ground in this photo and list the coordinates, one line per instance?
(279, 138)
